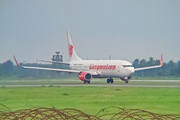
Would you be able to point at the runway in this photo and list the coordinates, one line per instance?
(93, 85)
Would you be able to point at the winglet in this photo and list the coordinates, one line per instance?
(16, 61)
(161, 62)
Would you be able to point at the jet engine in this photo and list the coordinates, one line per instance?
(85, 76)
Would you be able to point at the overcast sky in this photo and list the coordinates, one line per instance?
(124, 29)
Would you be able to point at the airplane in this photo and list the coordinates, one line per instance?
(88, 69)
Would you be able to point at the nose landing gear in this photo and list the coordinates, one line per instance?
(126, 81)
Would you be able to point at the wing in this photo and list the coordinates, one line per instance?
(50, 69)
(151, 67)
(145, 68)
(55, 62)
(54, 69)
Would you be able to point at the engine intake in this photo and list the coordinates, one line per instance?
(85, 76)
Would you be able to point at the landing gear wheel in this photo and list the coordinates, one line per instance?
(86, 82)
(126, 82)
(112, 80)
(108, 80)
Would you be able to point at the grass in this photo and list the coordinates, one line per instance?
(92, 99)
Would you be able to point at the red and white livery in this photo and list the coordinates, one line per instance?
(88, 69)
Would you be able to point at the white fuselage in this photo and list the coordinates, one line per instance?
(104, 68)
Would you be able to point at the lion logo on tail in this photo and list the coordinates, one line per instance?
(70, 50)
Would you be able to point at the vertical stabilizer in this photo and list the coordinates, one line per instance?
(72, 53)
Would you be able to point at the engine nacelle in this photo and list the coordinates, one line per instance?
(85, 76)
(125, 78)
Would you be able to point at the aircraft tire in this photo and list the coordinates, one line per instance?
(112, 80)
(108, 80)
(126, 82)
(88, 82)
(85, 82)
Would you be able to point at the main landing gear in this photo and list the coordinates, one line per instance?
(86, 82)
(110, 80)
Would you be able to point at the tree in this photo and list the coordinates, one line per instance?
(178, 69)
(136, 63)
(6, 68)
(172, 67)
(142, 63)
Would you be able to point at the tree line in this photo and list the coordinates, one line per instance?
(9, 70)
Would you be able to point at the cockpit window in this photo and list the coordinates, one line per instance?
(127, 66)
